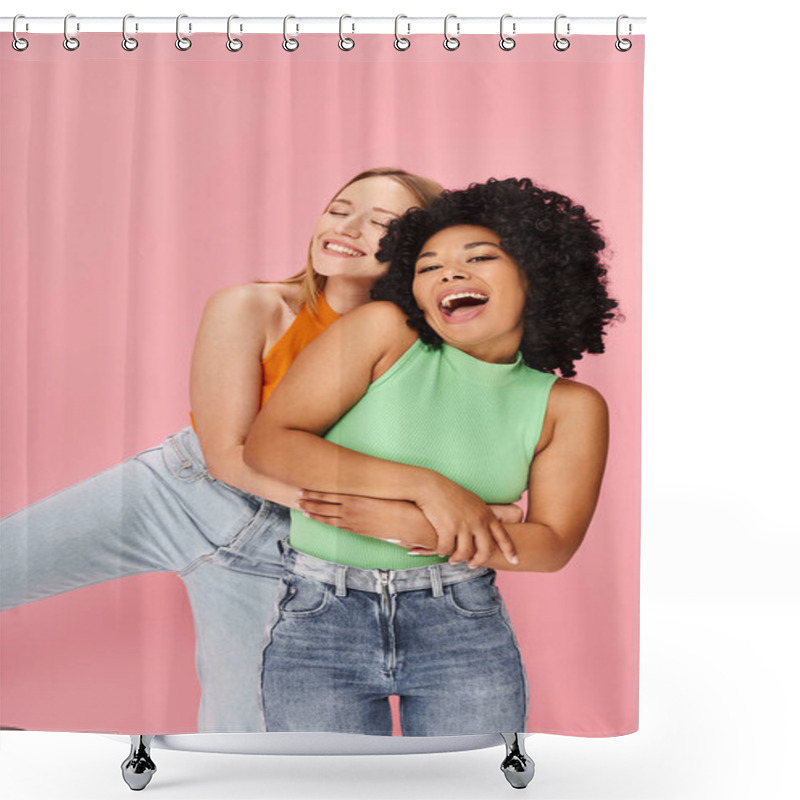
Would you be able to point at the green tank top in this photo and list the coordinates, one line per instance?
(475, 422)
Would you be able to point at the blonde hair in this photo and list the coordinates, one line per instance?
(424, 189)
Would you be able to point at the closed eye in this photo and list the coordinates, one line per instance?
(430, 267)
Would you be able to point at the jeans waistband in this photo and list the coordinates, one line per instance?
(343, 576)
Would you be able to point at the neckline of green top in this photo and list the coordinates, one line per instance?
(485, 372)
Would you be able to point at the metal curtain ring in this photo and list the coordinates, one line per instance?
(451, 42)
(128, 42)
(289, 44)
(506, 42)
(70, 42)
(182, 42)
(18, 43)
(233, 44)
(400, 42)
(345, 42)
(623, 45)
(561, 44)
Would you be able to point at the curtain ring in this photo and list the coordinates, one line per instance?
(561, 44)
(623, 45)
(128, 42)
(233, 44)
(451, 42)
(289, 44)
(17, 42)
(345, 42)
(506, 42)
(182, 42)
(70, 42)
(400, 42)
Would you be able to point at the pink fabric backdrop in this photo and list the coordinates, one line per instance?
(136, 184)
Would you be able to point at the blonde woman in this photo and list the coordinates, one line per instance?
(191, 505)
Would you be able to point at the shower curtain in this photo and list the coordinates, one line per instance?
(136, 185)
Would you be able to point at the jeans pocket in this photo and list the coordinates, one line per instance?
(478, 597)
(304, 597)
(181, 461)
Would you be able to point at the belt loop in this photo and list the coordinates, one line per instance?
(341, 580)
(436, 580)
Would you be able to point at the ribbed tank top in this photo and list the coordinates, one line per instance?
(475, 422)
(305, 327)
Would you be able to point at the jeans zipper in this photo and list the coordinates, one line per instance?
(384, 580)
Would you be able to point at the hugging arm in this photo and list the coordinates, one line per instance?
(226, 385)
(563, 483)
(326, 380)
(399, 519)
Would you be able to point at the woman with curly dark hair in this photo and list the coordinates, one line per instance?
(442, 400)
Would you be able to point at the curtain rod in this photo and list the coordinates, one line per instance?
(350, 24)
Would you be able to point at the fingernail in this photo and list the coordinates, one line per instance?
(306, 514)
(414, 554)
(514, 560)
(472, 566)
(392, 541)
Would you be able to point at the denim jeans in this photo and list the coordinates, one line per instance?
(342, 639)
(160, 511)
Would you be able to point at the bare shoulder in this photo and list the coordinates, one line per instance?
(575, 403)
(570, 396)
(386, 321)
(381, 319)
(260, 311)
(289, 295)
(249, 298)
(383, 326)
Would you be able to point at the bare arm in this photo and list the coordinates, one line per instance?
(325, 381)
(563, 483)
(226, 385)
(397, 521)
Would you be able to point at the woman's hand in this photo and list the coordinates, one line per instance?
(507, 514)
(396, 521)
(466, 527)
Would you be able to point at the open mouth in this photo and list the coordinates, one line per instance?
(462, 305)
(342, 250)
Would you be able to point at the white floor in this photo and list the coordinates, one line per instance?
(719, 698)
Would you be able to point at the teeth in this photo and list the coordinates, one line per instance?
(337, 248)
(448, 301)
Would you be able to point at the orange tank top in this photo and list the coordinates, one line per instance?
(303, 330)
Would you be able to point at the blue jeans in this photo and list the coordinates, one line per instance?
(161, 511)
(342, 639)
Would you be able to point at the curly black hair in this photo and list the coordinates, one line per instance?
(550, 238)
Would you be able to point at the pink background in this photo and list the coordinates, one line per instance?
(136, 184)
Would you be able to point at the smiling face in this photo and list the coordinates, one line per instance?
(347, 235)
(471, 292)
